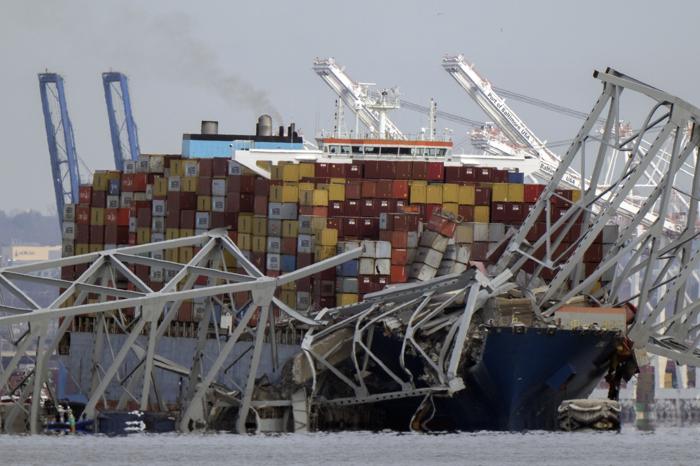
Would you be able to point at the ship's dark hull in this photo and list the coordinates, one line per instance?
(517, 384)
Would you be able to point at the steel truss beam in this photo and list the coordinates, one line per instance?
(662, 263)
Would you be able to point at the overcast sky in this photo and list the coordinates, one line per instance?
(231, 61)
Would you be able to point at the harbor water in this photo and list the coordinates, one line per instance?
(670, 446)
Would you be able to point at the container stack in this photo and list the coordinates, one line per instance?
(414, 219)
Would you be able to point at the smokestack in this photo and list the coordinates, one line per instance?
(281, 131)
(292, 133)
(210, 127)
(264, 126)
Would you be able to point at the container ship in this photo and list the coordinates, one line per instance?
(417, 210)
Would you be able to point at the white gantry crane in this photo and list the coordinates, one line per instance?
(517, 131)
(371, 110)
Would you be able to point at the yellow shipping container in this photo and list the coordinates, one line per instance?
(320, 198)
(307, 170)
(245, 223)
(499, 192)
(306, 196)
(290, 193)
(464, 234)
(290, 228)
(290, 172)
(244, 241)
(276, 193)
(177, 168)
(143, 235)
(290, 286)
(189, 184)
(450, 208)
(184, 233)
(96, 247)
(276, 172)
(575, 195)
(100, 181)
(185, 254)
(339, 181)
(160, 186)
(481, 214)
(97, 216)
(204, 203)
(418, 193)
(172, 233)
(259, 226)
(434, 194)
(171, 255)
(82, 248)
(323, 252)
(467, 195)
(318, 224)
(259, 244)
(344, 299)
(328, 237)
(230, 261)
(516, 192)
(450, 193)
(289, 298)
(336, 192)
(306, 185)
(264, 164)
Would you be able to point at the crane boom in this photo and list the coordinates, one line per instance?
(122, 127)
(517, 131)
(369, 110)
(61, 142)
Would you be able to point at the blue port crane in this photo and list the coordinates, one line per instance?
(59, 135)
(122, 127)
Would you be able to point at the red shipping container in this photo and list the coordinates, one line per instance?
(453, 174)
(537, 231)
(402, 170)
(482, 196)
(516, 212)
(469, 174)
(351, 227)
(353, 170)
(385, 205)
(466, 212)
(369, 189)
(82, 215)
(436, 171)
(399, 256)
(531, 192)
(382, 281)
(384, 189)
(366, 284)
(399, 189)
(206, 168)
(262, 186)
(369, 227)
(117, 217)
(67, 272)
(99, 199)
(304, 259)
(143, 218)
(387, 169)
(499, 176)
(419, 170)
(188, 201)
(289, 246)
(259, 260)
(216, 220)
(430, 210)
(399, 274)
(404, 221)
(187, 219)
(219, 166)
(484, 174)
(260, 205)
(204, 186)
(594, 253)
(441, 224)
(115, 234)
(353, 189)
(398, 239)
(336, 170)
(326, 301)
(529, 208)
(322, 170)
(334, 223)
(562, 198)
(370, 207)
(479, 251)
(371, 169)
(82, 233)
(336, 208)
(246, 202)
(353, 208)
(85, 195)
(97, 234)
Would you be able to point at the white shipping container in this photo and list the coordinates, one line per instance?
(274, 227)
(345, 246)
(366, 266)
(68, 230)
(496, 232)
(67, 249)
(274, 245)
(422, 272)
(610, 234)
(200, 231)
(412, 241)
(369, 249)
(218, 204)
(201, 220)
(411, 255)
(126, 200)
(305, 224)
(382, 266)
(305, 244)
(155, 237)
(218, 187)
(142, 165)
(282, 210)
(149, 192)
(113, 202)
(156, 274)
(382, 250)
(156, 164)
(158, 207)
(234, 168)
(303, 300)
(433, 240)
(273, 261)
(463, 253)
(346, 284)
(69, 213)
(133, 224)
(481, 231)
(129, 166)
(383, 221)
(191, 167)
(174, 183)
(429, 256)
(157, 225)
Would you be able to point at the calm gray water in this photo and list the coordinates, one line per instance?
(667, 446)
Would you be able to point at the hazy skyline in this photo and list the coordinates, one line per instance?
(230, 62)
